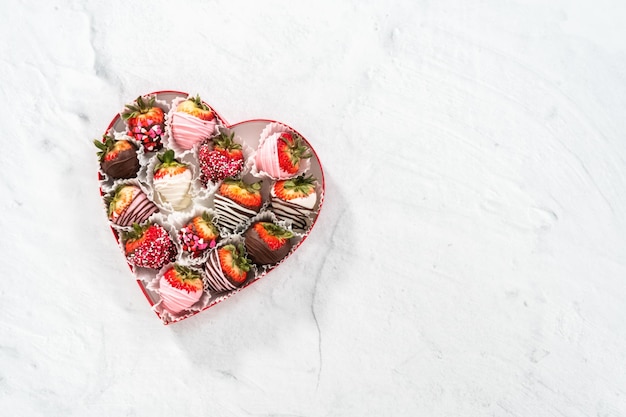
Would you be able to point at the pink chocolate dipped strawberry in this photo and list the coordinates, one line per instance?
(192, 122)
(281, 155)
(180, 287)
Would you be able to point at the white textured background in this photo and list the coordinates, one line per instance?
(470, 259)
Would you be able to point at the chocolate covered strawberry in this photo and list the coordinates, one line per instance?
(237, 201)
(118, 158)
(128, 205)
(219, 158)
(172, 180)
(192, 122)
(267, 243)
(294, 199)
(180, 288)
(148, 246)
(145, 122)
(227, 268)
(199, 235)
(281, 155)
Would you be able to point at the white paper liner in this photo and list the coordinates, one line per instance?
(178, 220)
(248, 156)
(187, 158)
(268, 131)
(166, 315)
(202, 200)
(163, 105)
(172, 144)
(206, 192)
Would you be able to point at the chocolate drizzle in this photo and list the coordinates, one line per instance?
(217, 281)
(125, 165)
(259, 252)
(295, 213)
(138, 211)
(230, 214)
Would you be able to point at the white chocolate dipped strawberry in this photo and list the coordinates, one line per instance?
(172, 180)
(293, 200)
(282, 154)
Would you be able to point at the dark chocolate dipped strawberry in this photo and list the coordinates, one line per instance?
(118, 158)
(227, 268)
(267, 243)
(282, 155)
(237, 201)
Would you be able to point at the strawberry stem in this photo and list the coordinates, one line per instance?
(136, 233)
(138, 107)
(277, 231)
(166, 157)
(198, 102)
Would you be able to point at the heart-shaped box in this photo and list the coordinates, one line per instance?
(200, 272)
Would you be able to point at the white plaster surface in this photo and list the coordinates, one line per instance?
(470, 259)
